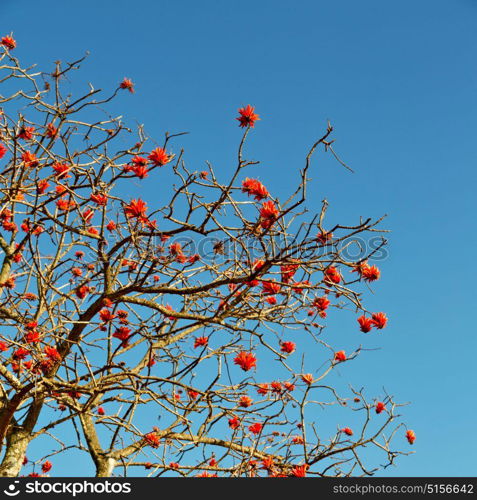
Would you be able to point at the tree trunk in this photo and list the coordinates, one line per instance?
(16, 446)
(105, 467)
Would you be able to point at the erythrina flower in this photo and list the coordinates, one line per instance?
(332, 275)
(106, 315)
(42, 186)
(30, 159)
(307, 378)
(52, 353)
(410, 436)
(268, 214)
(299, 470)
(46, 466)
(255, 188)
(255, 428)
(26, 133)
(152, 439)
(347, 431)
(321, 303)
(32, 336)
(245, 401)
(127, 84)
(234, 423)
(271, 287)
(380, 407)
(3, 150)
(21, 353)
(288, 347)
(82, 291)
(370, 273)
(288, 271)
(136, 208)
(379, 320)
(201, 341)
(365, 324)
(247, 117)
(159, 157)
(111, 226)
(99, 198)
(3, 346)
(122, 333)
(101, 411)
(61, 170)
(324, 237)
(340, 356)
(246, 361)
(51, 131)
(141, 172)
(268, 463)
(8, 42)
(262, 389)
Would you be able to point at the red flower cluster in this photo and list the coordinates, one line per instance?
(3, 150)
(379, 320)
(246, 361)
(127, 84)
(288, 347)
(332, 275)
(8, 42)
(268, 214)
(347, 431)
(159, 157)
(340, 356)
(200, 342)
(410, 436)
(247, 117)
(380, 407)
(152, 439)
(255, 428)
(255, 188)
(367, 272)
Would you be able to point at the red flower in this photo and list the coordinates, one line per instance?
(245, 401)
(288, 347)
(99, 198)
(255, 428)
(347, 431)
(271, 287)
(332, 275)
(127, 84)
(410, 436)
(365, 324)
(122, 333)
(111, 226)
(370, 273)
(289, 386)
(3, 347)
(30, 159)
(51, 131)
(106, 315)
(21, 353)
(136, 208)
(201, 341)
(324, 237)
(247, 117)
(32, 336)
(42, 186)
(263, 389)
(82, 291)
(65, 204)
(380, 407)
(46, 466)
(61, 170)
(307, 378)
(101, 411)
(141, 172)
(3, 150)
(379, 320)
(152, 439)
(268, 463)
(255, 188)
(340, 356)
(268, 214)
(276, 387)
(246, 361)
(299, 470)
(52, 353)
(288, 271)
(26, 133)
(193, 394)
(321, 303)
(159, 157)
(234, 423)
(8, 42)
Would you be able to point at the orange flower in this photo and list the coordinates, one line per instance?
(255, 428)
(307, 378)
(99, 198)
(201, 341)
(152, 439)
(234, 423)
(255, 188)
(30, 159)
(82, 291)
(46, 466)
(246, 361)
(262, 389)
(340, 356)
(159, 157)
(61, 170)
(380, 407)
(288, 347)
(21, 353)
(51, 131)
(247, 117)
(379, 320)
(42, 186)
(347, 431)
(268, 214)
(127, 84)
(332, 275)
(26, 133)
(365, 324)
(8, 42)
(136, 208)
(299, 470)
(3, 150)
(370, 273)
(321, 303)
(288, 271)
(245, 401)
(52, 353)
(410, 436)
(324, 237)
(270, 287)
(106, 315)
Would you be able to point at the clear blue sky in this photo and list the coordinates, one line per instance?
(398, 81)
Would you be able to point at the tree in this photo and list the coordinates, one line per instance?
(163, 337)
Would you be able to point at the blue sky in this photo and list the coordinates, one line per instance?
(397, 80)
